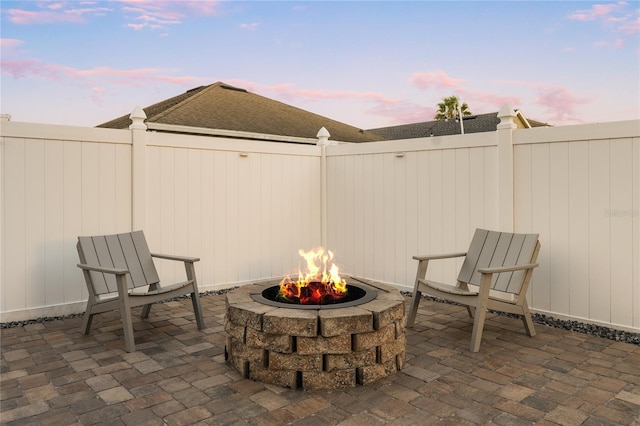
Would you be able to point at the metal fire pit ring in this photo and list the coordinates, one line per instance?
(367, 294)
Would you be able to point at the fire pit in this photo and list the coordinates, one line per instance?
(325, 344)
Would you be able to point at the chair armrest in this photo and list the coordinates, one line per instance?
(116, 271)
(440, 256)
(178, 258)
(499, 269)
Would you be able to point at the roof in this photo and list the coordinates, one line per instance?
(472, 124)
(223, 107)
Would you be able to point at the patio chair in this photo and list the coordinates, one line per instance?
(120, 274)
(498, 266)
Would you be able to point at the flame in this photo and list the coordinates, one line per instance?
(320, 285)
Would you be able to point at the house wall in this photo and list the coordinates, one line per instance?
(246, 207)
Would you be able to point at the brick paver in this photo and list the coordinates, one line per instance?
(52, 374)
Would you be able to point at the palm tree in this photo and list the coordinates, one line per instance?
(448, 108)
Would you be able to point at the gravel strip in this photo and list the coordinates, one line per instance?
(579, 327)
(14, 324)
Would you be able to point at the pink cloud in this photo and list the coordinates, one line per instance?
(156, 14)
(630, 28)
(392, 110)
(22, 68)
(167, 7)
(618, 44)
(147, 13)
(29, 68)
(10, 43)
(616, 14)
(560, 104)
(597, 11)
(250, 26)
(481, 102)
(428, 80)
(28, 17)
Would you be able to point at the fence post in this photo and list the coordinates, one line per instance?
(505, 168)
(138, 169)
(323, 141)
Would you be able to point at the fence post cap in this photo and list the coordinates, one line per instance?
(507, 118)
(137, 117)
(323, 136)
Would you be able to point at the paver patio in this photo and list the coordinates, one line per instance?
(51, 374)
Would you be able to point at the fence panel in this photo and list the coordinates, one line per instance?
(55, 188)
(244, 213)
(579, 190)
(418, 197)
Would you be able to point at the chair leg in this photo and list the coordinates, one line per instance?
(195, 297)
(478, 325)
(415, 301)
(146, 309)
(480, 312)
(421, 273)
(526, 319)
(197, 309)
(125, 313)
(88, 317)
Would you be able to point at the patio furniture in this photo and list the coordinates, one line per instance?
(120, 274)
(498, 266)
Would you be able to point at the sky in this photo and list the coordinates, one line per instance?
(365, 63)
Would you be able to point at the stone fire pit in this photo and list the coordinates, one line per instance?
(326, 348)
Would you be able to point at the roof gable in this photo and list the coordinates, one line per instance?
(224, 107)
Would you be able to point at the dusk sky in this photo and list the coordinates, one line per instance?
(369, 64)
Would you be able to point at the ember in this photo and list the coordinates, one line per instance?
(320, 285)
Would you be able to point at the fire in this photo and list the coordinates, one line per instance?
(320, 285)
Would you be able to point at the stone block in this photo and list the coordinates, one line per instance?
(329, 380)
(370, 374)
(334, 322)
(248, 314)
(389, 350)
(380, 287)
(282, 378)
(324, 345)
(271, 342)
(294, 362)
(241, 365)
(372, 339)
(350, 360)
(236, 348)
(234, 330)
(295, 322)
(385, 312)
(242, 294)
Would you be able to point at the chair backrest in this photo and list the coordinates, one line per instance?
(493, 249)
(126, 251)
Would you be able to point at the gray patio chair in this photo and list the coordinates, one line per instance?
(120, 274)
(498, 265)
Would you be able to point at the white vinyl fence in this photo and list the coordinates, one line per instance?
(246, 207)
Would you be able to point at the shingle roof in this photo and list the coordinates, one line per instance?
(224, 107)
(472, 124)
